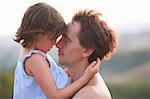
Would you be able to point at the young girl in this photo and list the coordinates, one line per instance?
(37, 76)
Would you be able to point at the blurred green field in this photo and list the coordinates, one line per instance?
(130, 90)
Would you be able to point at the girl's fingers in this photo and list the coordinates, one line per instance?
(92, 64)
(98, 61)
(97, 65)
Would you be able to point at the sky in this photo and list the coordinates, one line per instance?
(117, 13)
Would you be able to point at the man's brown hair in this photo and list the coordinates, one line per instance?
(39, 19)
(95, 34)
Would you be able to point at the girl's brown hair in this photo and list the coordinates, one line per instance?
(39, 19)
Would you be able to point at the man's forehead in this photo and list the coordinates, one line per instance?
(69, 25)
(71, 22)
(73, 26)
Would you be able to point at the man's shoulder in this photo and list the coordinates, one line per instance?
(91, 92)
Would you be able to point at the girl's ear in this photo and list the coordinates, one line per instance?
(88, 52)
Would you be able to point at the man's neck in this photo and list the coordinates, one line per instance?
(76, 70)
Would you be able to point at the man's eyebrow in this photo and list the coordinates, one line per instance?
(66, 36)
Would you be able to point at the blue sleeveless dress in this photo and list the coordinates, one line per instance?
(25, 87)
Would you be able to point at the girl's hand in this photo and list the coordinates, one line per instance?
(92, 69)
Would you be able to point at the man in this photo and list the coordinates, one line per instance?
(87, 38)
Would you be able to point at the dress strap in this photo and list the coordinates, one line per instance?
(32, 51)
(38, 52)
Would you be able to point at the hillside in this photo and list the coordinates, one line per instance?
(137, 74)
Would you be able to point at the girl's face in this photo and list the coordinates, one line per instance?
(44, 44)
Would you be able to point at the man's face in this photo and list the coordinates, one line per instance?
(70, 51)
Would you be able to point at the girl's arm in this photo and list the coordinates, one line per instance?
(40, 69)
(70, 90)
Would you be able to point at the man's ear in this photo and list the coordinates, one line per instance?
(88, 52)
